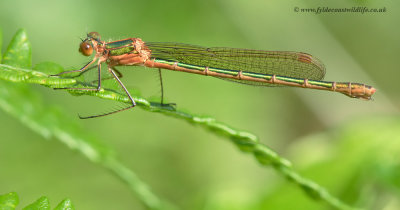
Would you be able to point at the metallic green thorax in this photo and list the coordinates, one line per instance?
(120, 47)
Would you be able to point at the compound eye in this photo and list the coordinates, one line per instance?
(85, 48)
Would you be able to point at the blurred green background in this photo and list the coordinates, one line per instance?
(349, 146)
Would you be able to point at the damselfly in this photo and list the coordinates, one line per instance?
(253, 67)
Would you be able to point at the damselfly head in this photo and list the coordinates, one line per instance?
(86, 48)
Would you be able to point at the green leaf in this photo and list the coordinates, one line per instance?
(9, 201)
(66, 204)
(41, 204)
(18, 53)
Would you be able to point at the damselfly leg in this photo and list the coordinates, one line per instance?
(112, 70)
(162, 91)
